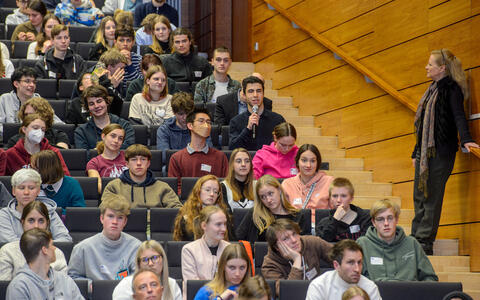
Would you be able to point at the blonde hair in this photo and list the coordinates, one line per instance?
(262, 216)
(109, 128)
(204, 216)
(382, 205)
(453, 68)
(100, 36)
(112, 57)
(355, 291)
(115, 202)
(230, 179)
(155, 42)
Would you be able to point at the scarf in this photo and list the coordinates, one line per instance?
(427, 125)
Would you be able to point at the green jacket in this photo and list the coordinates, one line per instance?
(403, 259)
(24, 27)
(206, 87)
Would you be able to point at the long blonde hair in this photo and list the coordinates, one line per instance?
(155, 42)
(453, 68)
(219, 282)
(262, 216)
(2, 66)
(100, 36)
(230, 179)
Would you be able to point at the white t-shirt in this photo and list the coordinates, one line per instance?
(220, 90)
(153, 112)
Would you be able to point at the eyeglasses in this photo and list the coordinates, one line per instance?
(382, 219)
(154, 259)
(203, 121)
(210, 190)
(28, 81)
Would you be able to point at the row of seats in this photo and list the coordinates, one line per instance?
(20, 48)
(77, 33)
(20, 62)
(47, 88)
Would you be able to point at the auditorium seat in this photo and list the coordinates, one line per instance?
(260, 251)
(20, 49)
(183, 86)
(161, 223)
(6, 180)
(76, 161)
(47, 88)
(82, 286)
(153, 136)
(65, 88)
(4, 12)
(225, 136)
(30, 63)
(81, 33)
(5, 85)
(399, 290)
(83, 222)
(137, 223)
(105, 181)
(215, 135)
(90, 190)
(10, 30)
(171, 181)
(174, 255)
(320, 214)
(238, 214)
(16, 62)
(193, 286)
(66, 248)
(141, 134)
(69, 129)
(59, 107)
(293, 289)
(187, 186)
(156, 164)
(2, 32)
(9, 3)
(83, 49)
(103, 289)
(9, 130)
(168, 154)
(3, 288)
(125, 110)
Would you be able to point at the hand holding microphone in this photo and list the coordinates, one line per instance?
(253, 121)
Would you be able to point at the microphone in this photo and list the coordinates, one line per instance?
(254, 126)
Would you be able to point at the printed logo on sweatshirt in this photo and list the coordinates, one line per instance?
(408, 255)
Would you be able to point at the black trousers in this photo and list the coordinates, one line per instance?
(428, 209)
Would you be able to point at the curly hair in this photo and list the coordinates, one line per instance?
(41, 107)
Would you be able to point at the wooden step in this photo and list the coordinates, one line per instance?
(238, 75)
(330, 153)
(475, 294)
(445, 247)
(300, 121)
(268, 84)
(469, 280)
(317, 140)
(288, 112)
(366, 202)
(373, 189)
(272, 94)
(242, 67)
(450, 263)
(354, 176)
(302, 130)
(277, 107)
(346, 164)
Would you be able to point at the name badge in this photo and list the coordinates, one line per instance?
(52, 74)
(297, 201)
(198, 73)
(206, 168)
(376, 261)
(311, 274)
(160, 112)
(104, 270)
(354, 228)
(293, 171)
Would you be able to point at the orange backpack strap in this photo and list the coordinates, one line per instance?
(248, 248)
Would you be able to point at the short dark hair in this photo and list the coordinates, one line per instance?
(95, 90)
(193, 114)
(222, 49)
(182, 102)
(137, 150)
(125, 31)
(309, 147)
(32, 241)
(38, 6)
(20, 72)
(338, 250)
(251, 80)
(182, 31)
(278, 226)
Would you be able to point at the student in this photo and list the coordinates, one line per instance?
(76, 112)
(143, 35)
(37, 279)
(385, 244)
(104, 39)
(6, 67)
(124, 41)
(60, 62)
(152, 257)
(158, 7)
(346, 221)
(205, 192)
(78, 13)
(200, 257)
(233, 269)
(278, 158)
(110, 161)
(310, 187)
(26, 188)
(153, 105)
(20, 14)
(146, 285)
(33, 140)
(270, 204)
(112, 6)
(43, 43)
(239, 185)
(34, 215)
(138, 185)
(161, 30)
(291, 256)
(110, 254)
(28, 31)
(254, 288)
(96, 100)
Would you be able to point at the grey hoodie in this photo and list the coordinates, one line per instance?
(16, 18)
(11, 228)
(28, 285)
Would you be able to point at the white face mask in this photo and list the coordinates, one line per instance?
(35, 136)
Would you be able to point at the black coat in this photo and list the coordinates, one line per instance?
(227, 108)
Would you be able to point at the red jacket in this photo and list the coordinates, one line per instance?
(3, 162)
(18, 157)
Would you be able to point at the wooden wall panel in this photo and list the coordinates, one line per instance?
(261, 13)
(461, 232)
(475, 90)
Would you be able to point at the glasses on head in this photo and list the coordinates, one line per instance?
(382, 219)
(210, 190)
(203, 121)
(154, 259)
(28, 81)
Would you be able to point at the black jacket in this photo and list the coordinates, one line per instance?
(141, 11)
(72, 66)
(227, 108)
(187, 68)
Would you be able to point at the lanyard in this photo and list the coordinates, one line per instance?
(309, 195)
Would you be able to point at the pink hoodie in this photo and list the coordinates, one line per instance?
(269, 160)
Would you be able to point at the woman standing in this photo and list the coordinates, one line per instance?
(438, 120)
(238, 186)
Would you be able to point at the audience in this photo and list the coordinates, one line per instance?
(147, 286)
(37, 279)
(40, 106)
(24, 83)
(150, 256)
(110, 254)
(160, 36)
(200, 257)
(310, 187)
(219, 83)
(385, 244)
(205, 192)
(60, 61)
(291, 256)
(143, 35)
(20, 14)
(111, 6)
(346, 256)
(76, 112)
(270, 204)
(183, 64)
(124, 41)
(34, 215)
(78, 13)
(158, 7)
(6, 67)
(28, 31)
(278, 158)
(233, 269)
(251, 130)
(254, 288)
(104, 38)
(96, 100)
(346, 221)
(123, 18)
(153, 105)
(238, 186)
(138, 184)
(43, 43)
(26, 188)
(33, 140)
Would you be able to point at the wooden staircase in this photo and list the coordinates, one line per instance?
(446, 262)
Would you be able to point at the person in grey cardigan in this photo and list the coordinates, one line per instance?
(37, 280)
(110, 254)
(25, 188)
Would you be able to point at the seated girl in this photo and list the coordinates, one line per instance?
(64, 190)
(161, 36)
(270, 204)
(43, 43)
(34, 215)
(205, 192)
(105, 38)
(28, 31)
(254, 288)
(238, 186)
(200, 257)
(26, 188)
(233, 269)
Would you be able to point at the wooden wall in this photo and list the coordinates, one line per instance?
(393, 39)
